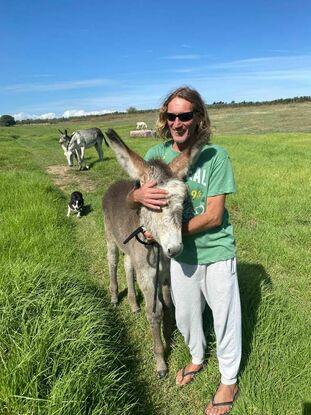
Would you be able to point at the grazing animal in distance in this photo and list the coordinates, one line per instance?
(165, 225)
(78, 141)
(76, 204)
(141, 125)
(64, 141)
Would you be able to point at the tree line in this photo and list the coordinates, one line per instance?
(220, 104)
(8, 120)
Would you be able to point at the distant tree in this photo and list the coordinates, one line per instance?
(131, 110)
(7, 120)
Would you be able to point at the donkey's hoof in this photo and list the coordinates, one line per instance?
(162, 374)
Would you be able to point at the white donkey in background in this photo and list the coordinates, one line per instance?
(165, 225)
(141, 125)
(75, 144)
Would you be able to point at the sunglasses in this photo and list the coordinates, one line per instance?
(184, 116)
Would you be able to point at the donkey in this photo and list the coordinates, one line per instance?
(64, 141)
(165, 225)
(79, 141)
(140, 125)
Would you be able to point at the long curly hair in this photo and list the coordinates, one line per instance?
(199, 109)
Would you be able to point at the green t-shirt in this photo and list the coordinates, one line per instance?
(210, 175)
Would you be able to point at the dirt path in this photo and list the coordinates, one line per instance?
(64, 176)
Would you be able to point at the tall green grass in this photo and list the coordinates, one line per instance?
(271, 216)
(60, 351)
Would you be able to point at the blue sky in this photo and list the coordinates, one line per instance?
(65, 57)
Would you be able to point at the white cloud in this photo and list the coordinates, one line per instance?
(25, 116)
(81, 113)
(270, 76)
(183, 57)
(266, 61)
(47, 116)
(57, 86)
(50, 115)
(183, 70)
(21, 116)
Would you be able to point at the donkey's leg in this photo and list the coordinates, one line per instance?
(166, 288)
(68, 155)
(81, 155)
(113, 256)
(168, 314)
(155, 320)
(77, 156)
(131, 295)
(165, 282)
(99, 150)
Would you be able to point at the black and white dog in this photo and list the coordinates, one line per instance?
(76, 204)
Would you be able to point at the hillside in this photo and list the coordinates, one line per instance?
(292, 117)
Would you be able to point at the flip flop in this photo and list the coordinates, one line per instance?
(229, 403)
(191, 373)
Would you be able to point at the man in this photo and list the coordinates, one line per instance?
(206, 269)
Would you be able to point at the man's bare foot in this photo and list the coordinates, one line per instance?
(186, 374)
(225, 394)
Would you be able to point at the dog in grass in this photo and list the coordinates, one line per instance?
(76, 204)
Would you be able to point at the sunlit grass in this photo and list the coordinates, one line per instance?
(60, 351)
(51, 267)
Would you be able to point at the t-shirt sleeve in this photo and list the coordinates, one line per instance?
(155, 152)
(149, 155)
(222, 178)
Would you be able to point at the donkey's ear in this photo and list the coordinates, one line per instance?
(131, 162)
(60, 131)
(181, 164)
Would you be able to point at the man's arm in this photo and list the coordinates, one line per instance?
(147, 195)
(211, 218)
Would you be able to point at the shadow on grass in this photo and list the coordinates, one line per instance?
(87, 209)
(92, 163)
(128, 357)
(168, 326)
(253, 279)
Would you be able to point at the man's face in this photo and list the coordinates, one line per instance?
(180, 130)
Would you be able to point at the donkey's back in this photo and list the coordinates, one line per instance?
(88, 137)
(119, 219)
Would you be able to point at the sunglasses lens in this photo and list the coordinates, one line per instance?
(170, 116)
(184, 116)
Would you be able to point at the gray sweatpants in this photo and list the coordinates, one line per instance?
(216, 284)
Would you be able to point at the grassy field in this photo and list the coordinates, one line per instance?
(64, 350)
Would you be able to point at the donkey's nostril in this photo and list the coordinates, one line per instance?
(171, 252)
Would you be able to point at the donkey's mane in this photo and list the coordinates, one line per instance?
(157, 166)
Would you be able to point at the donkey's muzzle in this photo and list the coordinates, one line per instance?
(174, 250)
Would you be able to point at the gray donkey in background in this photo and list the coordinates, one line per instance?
(165, 225)
(74, 145)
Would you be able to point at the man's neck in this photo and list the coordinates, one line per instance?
(182, 146)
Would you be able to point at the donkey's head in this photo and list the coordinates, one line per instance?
(165, 224)
(64, 139)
